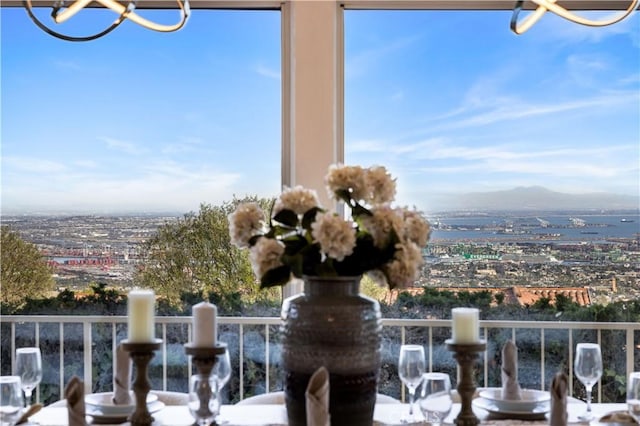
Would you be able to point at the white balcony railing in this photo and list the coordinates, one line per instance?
(254, 341)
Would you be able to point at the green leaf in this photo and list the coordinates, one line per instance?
(278, 231)
(287, 217)
(309, 217)
(359, 211)
(253, 240)
(344, 195)
(276, 276)
(294, 244)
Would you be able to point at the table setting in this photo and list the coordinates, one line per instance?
(432, 400)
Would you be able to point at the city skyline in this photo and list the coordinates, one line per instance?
(450, 102)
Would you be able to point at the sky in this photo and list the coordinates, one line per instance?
(450, 102)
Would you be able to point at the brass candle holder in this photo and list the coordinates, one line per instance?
(141, 354)
(465, 355)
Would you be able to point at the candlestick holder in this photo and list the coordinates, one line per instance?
(141, 354)
(465, 355)
(205, 358)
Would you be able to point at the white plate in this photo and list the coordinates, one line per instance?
(530, 399)
(538, 412)
(104, 402)
(99, 416)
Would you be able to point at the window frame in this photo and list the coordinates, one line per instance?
(312, 71)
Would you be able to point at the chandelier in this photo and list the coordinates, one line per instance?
(552, 6)
(62, 12)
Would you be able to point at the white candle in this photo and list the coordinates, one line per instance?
(141, 308)
(466, 325)
(204, 325)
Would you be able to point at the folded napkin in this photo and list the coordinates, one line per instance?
(622, 417)
(122, 377)
(317, 396)
(558, 392)
(510, 385)
(74, 394)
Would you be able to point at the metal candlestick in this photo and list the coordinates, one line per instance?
(465, 355)
(141, 354)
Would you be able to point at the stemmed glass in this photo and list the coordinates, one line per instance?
(10, 400)
(203, 398)
(435, 397)
(29, 368)
(588, 369)
(411, 367)
(222, 373)
(633, 395)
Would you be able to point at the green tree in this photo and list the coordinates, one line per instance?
(24, 272)
(194, 255)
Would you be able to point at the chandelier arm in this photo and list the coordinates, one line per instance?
(526, 23)
(28, 6)
(550, 5)
(564, 13)
(67, 12)
(182, 4)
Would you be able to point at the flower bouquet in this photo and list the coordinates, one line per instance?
(302, 238)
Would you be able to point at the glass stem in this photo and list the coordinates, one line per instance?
(589, 388)
(27, 397)
(411, 397)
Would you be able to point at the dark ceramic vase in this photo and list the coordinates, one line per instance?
(332, 325)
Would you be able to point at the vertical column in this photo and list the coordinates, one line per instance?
(312, 77)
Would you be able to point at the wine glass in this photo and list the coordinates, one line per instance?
(633, 395)
(588, 369)
(222, 372)
(435, 397)
(10, 400)
(203, 398)
(29, 368)
(410, 369)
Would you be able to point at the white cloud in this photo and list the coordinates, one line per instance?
(124, 146)
(32, 165)
(358, 63)
(268, 72)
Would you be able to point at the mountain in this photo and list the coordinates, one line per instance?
(539, 198)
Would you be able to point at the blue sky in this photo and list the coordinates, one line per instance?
(450, 102)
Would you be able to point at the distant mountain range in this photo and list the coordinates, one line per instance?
(539, 198)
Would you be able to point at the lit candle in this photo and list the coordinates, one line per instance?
(204, 325)
(466, 325)
(141, 312)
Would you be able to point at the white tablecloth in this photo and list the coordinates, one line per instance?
(272, 415)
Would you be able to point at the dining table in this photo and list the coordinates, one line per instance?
(275, 415)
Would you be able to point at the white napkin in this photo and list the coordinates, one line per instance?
(121, 377)
(510, 385)
(558, 415)
(317, 396)
(74, 394)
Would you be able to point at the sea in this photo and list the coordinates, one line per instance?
(535, 227)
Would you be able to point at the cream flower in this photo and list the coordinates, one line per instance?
(381, 188)
(347, 178)
(336, 236)
(245, 222)
(298, 199)
(384, 220)
(404, 269)
(266, 255)
(416, 228)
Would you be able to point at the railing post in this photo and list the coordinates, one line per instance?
(630, 351)
(86, 350)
